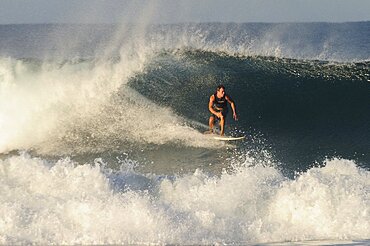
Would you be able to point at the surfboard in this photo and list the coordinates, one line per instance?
(227, 138)
(222, 138)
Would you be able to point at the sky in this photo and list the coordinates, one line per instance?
(177, 11)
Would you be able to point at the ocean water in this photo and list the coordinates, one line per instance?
(101, 134)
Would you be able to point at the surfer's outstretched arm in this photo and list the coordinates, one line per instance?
(232, 104)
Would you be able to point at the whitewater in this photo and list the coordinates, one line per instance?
(67, 203)
(101, 134)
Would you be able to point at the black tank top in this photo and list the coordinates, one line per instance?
(220, 102)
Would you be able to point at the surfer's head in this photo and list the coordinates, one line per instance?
(220, 87)
(220, 91)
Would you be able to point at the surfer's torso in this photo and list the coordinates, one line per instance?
(220, 104)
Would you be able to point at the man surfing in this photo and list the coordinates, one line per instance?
(218, 107)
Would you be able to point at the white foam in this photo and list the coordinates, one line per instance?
(64, 203)
(59, 108)
(36, 101)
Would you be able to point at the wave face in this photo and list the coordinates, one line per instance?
(306, 110)
(104, 125)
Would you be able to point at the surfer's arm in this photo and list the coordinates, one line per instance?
(210, 107)
(232, 104)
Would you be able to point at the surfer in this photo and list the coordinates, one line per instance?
(218, 107)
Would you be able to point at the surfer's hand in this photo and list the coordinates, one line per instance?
(235, 116)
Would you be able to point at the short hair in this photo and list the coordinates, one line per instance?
(220, 87)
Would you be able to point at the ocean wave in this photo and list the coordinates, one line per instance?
(97, 106)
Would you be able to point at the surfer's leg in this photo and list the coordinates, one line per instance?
(222, 125)
(211, 123)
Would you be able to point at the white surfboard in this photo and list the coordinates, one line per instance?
(222, 138)
(227, 138)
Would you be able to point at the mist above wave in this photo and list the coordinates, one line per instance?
(320, 41)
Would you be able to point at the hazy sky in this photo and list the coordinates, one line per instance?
(173, 11)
